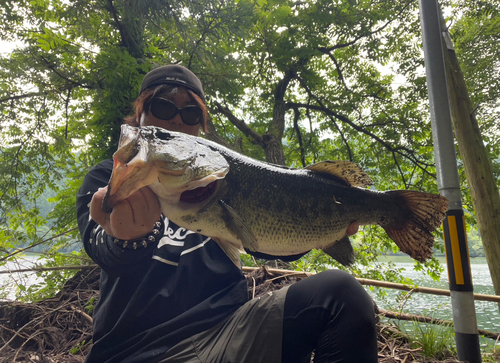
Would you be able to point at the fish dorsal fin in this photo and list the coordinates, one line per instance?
(349, 172)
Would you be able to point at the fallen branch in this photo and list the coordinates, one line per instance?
(424, 290)
(42, 269)
(389, 285)
(37, 321)
(85, 315)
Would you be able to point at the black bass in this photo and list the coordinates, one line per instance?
(242, 203)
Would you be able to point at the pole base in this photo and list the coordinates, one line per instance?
(468, 347)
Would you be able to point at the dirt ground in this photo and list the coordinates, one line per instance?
(59, 329)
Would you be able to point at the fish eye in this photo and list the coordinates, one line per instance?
(151, 132)
(164, 136)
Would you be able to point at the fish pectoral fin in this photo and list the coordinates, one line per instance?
(341, 251)
(348, 172)
(237, 226)
(231, 251)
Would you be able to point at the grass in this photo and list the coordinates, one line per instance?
(437, 341)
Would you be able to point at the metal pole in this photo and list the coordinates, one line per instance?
(457, 255)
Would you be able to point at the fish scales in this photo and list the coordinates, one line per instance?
(294, 207)
(264, 208)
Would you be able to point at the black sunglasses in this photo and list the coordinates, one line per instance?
(165, 110)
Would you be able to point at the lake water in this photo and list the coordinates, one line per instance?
(487, 313)
(9, 283)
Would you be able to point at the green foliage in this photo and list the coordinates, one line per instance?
(474, 243)
(369, 244)
(247, 260)
(77, 348)
(318, 79)
(493, 357)
(90, 305)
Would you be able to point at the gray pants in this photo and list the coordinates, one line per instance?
(253, 334)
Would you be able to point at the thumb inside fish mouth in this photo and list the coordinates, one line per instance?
(106, 206)
(199, 194)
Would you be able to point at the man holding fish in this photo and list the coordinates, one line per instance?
(172, 289)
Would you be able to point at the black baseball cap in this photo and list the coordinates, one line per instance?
(173, 74)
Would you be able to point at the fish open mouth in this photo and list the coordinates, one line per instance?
(199, 194)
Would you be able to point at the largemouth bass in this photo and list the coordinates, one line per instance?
(267, 209)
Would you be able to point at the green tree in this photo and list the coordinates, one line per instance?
(67, 87)
(316, 83)
(286, 81)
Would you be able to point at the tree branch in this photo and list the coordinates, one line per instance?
(112, 9)
(18, 97)
(43, 269)
(204, 32)
(299, 135)
(399, 169)
(278, 122)
(67, 114)
(272, 138)
(36, 244)
(328, 51)
(339, 46)
(409, 154)
(53, 69)
(240, 124)
(352, 42)
(339, 71)
(213, 135)
(344, 139)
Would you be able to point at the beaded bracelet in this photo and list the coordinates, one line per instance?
(143, 241)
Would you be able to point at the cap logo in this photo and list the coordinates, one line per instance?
(174, 79)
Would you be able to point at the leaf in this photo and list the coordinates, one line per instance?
(327, 80)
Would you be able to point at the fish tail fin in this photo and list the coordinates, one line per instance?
(413, 234)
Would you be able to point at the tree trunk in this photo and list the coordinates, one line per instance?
(129, 20)
(272, 138)
(273, 149)
(482, 184)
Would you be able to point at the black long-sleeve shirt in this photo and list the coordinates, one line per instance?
(152, 298)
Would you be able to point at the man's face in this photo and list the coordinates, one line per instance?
(180, 99)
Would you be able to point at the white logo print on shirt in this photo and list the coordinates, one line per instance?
(173, 238)
(175, 244)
